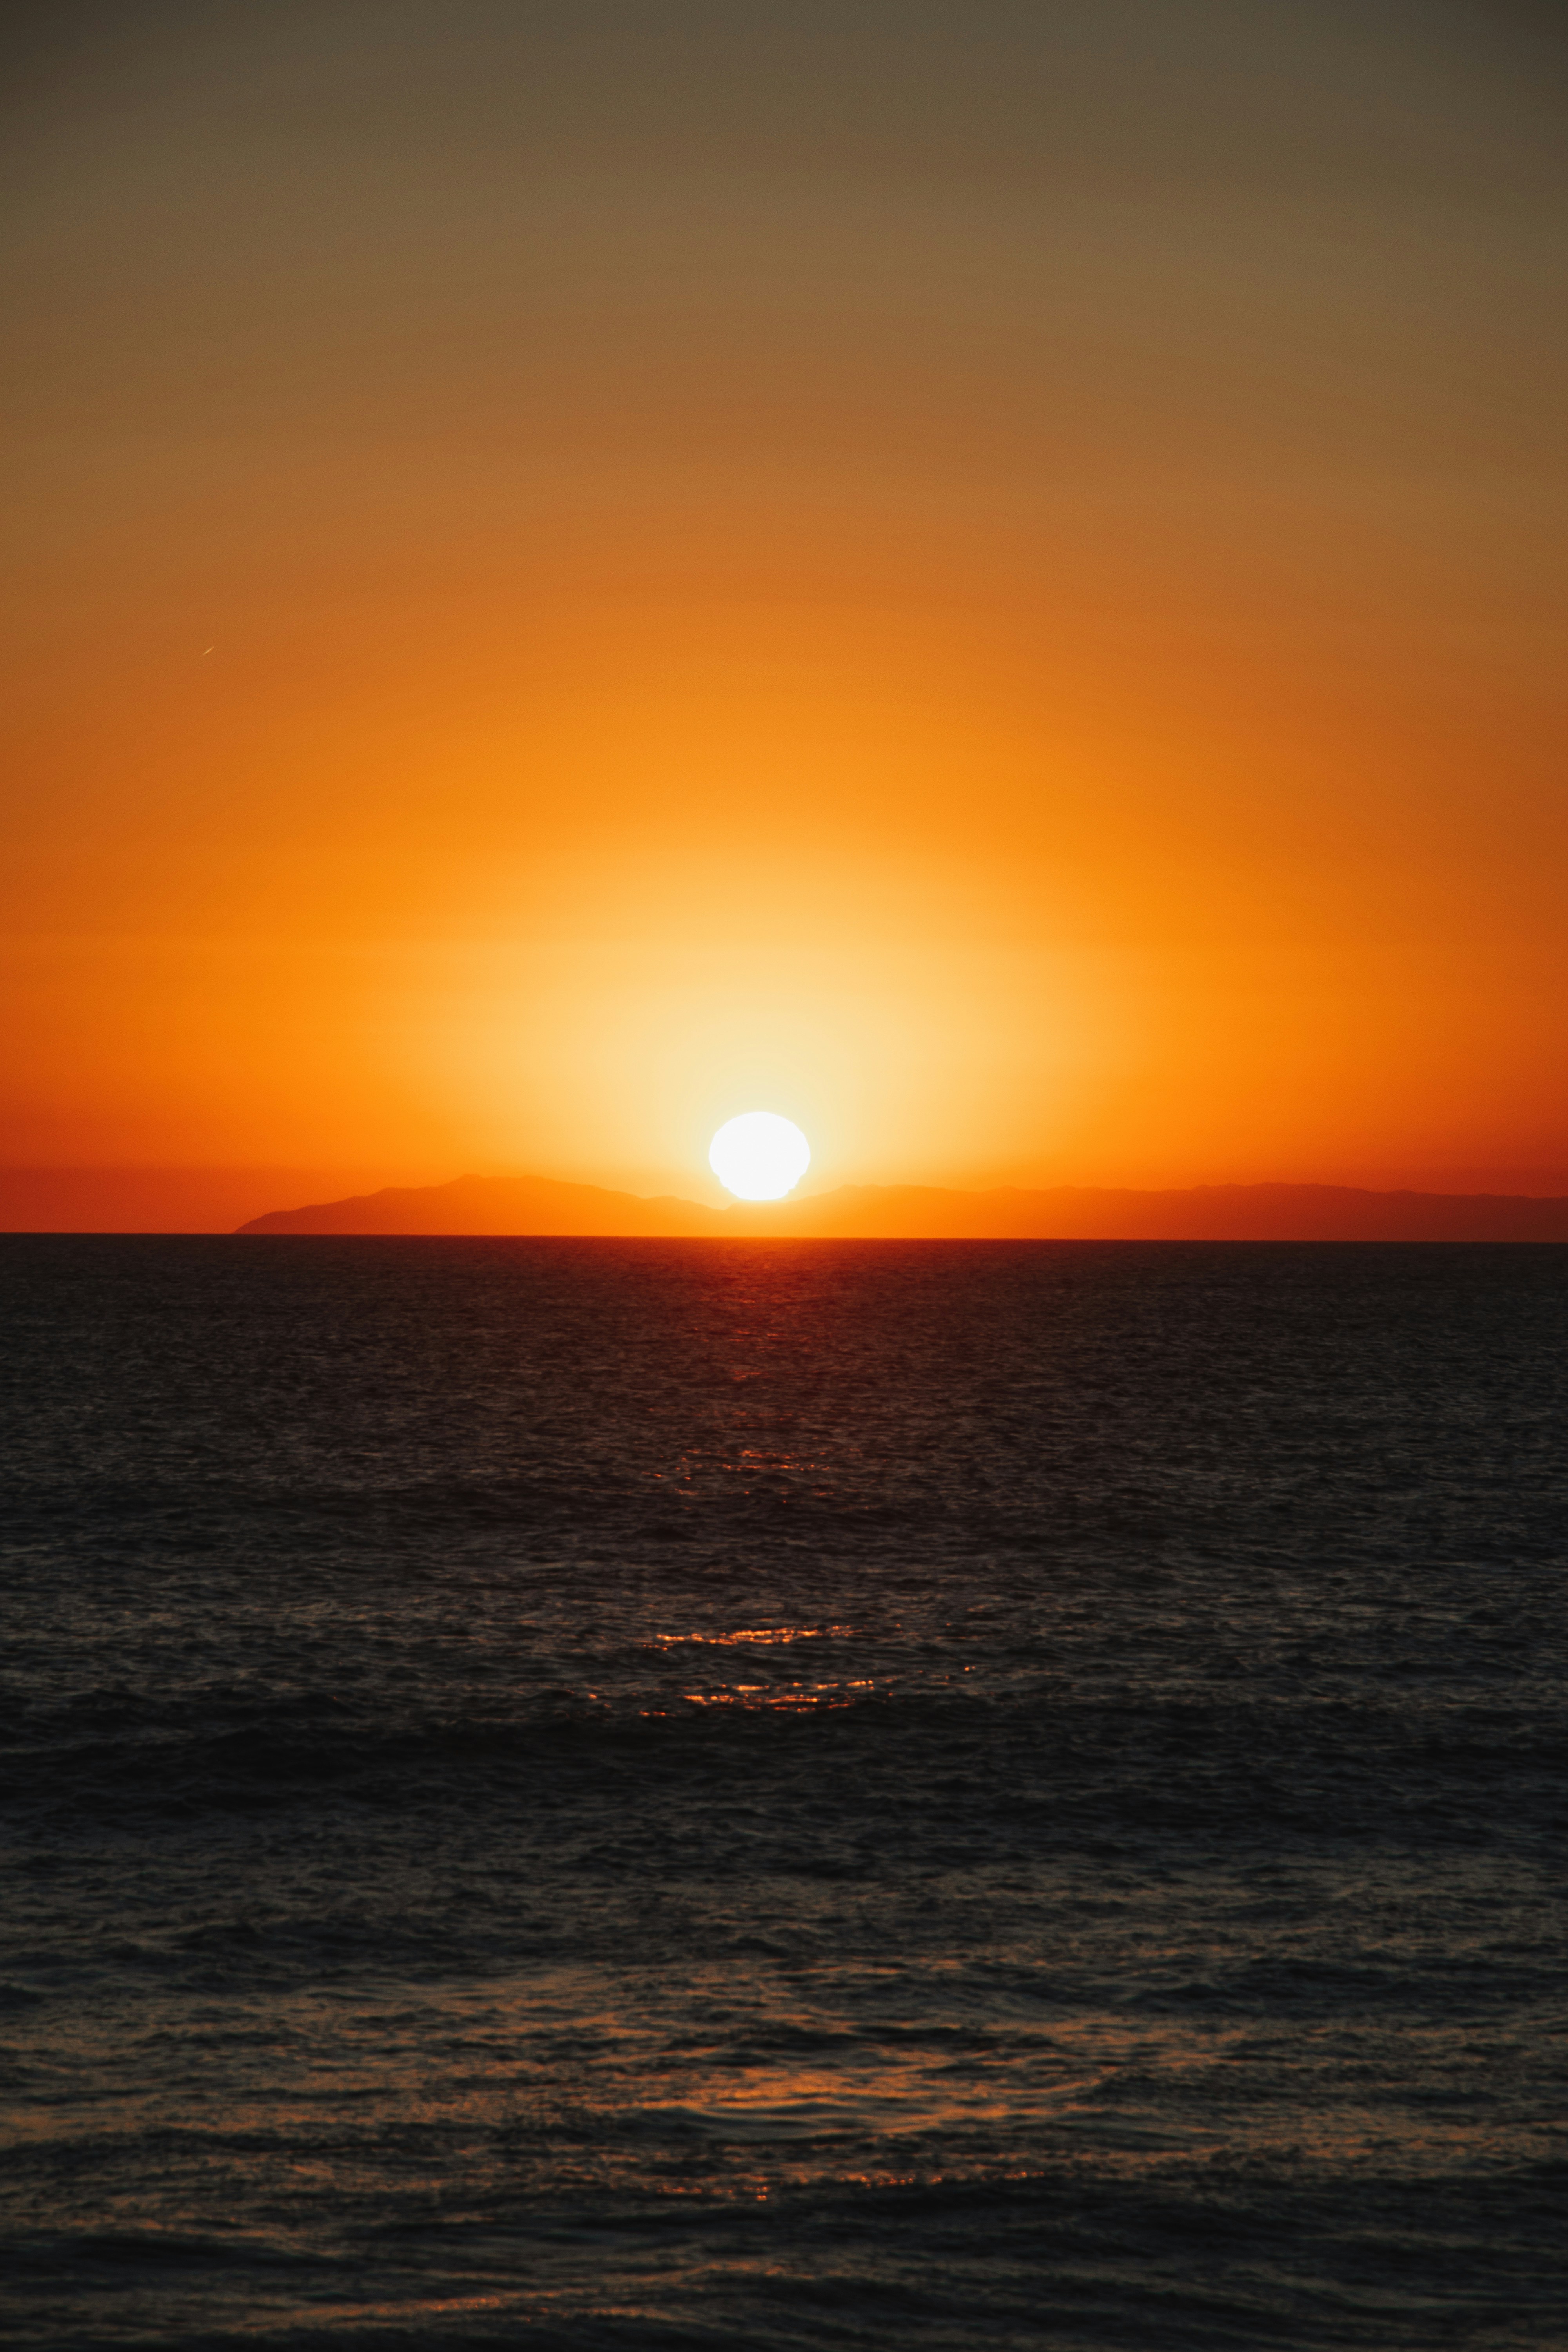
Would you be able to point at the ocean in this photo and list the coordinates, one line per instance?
(784, 1794)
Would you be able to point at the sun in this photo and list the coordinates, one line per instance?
(759, 1156)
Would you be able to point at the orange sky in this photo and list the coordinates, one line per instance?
(987, 577)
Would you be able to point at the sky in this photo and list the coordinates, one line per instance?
(987, 577)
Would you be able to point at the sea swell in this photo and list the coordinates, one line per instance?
(648, 1795)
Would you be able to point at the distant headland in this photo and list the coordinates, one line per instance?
(537, 1205)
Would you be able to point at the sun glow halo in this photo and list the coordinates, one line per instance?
(759, 1156)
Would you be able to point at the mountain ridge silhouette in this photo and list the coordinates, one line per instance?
(545, 1206)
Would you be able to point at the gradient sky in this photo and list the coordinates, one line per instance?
(988, 577)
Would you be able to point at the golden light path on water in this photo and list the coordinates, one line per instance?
(797, 1695)
(800, 1695)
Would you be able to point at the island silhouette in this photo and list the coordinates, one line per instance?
(539, 1205)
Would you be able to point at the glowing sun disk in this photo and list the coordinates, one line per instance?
(759, 1156)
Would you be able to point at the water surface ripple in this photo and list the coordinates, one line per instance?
(783, 1795)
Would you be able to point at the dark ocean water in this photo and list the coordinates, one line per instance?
(618, 1794)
